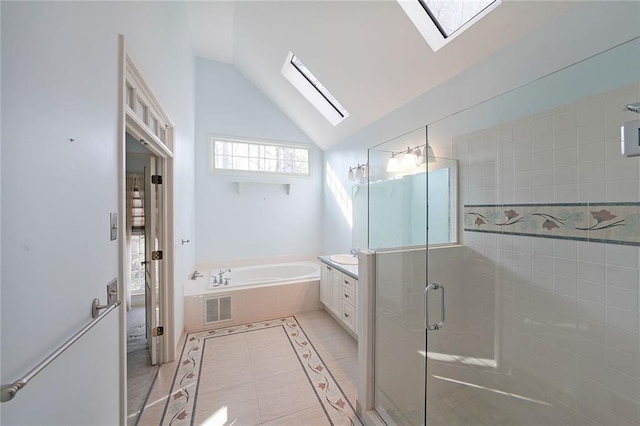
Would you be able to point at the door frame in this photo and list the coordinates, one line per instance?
(155, 131)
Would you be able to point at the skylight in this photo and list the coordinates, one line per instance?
(311, 88)
(440, 21)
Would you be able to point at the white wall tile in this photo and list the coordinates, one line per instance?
(622, 277)
(591, 252)
(623, 341)
(565, 285)
(542, 142)
(542, 160)
(590, 290)
(564, 121)
(542, 125)
(621, 255)
(592, 172)
(565, 267)
(522, 162)
(523, 179)
(543, 263)
(565, 175)
(622, 319)
(505, 133)
(565, 248)
(523, 195)
(623, 169)
(591, 369)
(543, 246)
(591, 271)
(522, 260)
(591, 349)
(591, 153)
(565, 157)
(623, 362)
(565, 139)
(592, 192)
(623, 384)
(591, 330)
(622, 298)
(543, 280)
(623, 190)
(591, 310)
(566, 193)
(572, 302)
(543, 177)
(544, 194)
(522, 129)
(590, 112)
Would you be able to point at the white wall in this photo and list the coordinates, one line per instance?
(575, 36)
(262, 221)
(59, 80)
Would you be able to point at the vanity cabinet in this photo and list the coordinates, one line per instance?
(338, 294)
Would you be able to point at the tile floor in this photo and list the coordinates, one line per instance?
(259, 377)
(140, 372)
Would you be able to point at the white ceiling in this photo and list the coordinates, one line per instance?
(367, 53)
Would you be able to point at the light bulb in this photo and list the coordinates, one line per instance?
(409, 159)
(350, 175)
(392, 165)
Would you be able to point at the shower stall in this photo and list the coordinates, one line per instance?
(501, 282)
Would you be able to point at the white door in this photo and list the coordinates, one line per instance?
(153, 237)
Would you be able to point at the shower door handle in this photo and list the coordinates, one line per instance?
(435, 325)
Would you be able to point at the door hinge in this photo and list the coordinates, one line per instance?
(156, 255)
(158, 331)
(156, 179)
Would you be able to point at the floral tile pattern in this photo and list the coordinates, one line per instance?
(180, 406)
(615, 223)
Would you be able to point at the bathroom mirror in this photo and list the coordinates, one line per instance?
(390, 213)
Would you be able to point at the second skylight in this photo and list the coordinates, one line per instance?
(314, 91)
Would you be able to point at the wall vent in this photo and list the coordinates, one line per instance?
(217, 309)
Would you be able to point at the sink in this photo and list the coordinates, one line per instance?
(344, 259)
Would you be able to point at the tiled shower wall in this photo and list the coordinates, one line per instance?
(565, 313)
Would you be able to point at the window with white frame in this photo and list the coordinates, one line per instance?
(137, 264)
(260, 157)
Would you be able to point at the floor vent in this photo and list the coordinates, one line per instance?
(217, 309)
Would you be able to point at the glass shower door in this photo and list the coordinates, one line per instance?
(398, 233)
(412, 204)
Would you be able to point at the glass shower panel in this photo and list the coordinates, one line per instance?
(398, 193)
(397, 232)
(542, 297)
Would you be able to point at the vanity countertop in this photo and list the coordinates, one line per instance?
(351, 270)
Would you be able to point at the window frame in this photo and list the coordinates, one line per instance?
(430, 29)
(260, 142)
(305, 82)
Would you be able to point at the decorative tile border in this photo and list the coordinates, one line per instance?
(180, 406)
(613, 223)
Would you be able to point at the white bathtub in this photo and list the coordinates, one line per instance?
(257, 292)
(265, 275)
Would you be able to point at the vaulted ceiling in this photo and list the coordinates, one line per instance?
(367, 53)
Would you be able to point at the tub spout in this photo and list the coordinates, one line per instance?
(222, 272)
(196, 274)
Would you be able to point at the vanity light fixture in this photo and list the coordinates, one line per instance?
(358, 172)
(411, 157)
